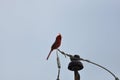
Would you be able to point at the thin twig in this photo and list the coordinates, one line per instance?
(59, 66)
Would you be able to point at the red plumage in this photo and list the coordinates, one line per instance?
(56, 44)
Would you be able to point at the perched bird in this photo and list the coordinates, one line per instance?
(56, 44)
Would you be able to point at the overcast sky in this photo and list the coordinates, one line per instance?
(89, 28)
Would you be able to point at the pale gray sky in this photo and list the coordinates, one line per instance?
(90, 28)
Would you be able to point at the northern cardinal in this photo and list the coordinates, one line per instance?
(56, 44)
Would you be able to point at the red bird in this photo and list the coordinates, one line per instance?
(56, 44)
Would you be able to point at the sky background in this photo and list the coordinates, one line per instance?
(89, 28)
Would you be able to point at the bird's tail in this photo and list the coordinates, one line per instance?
(48, 54)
